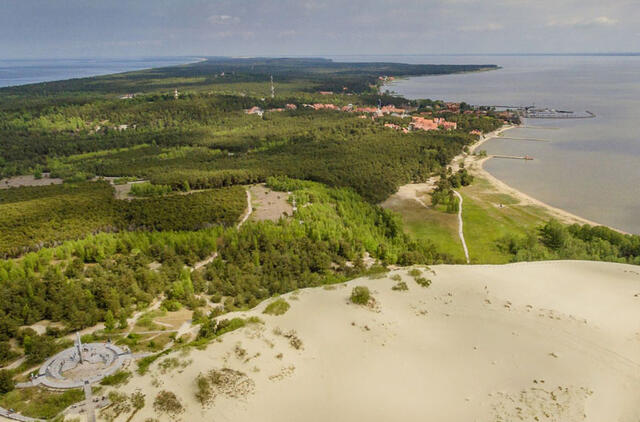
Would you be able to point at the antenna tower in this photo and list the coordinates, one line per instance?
(273, 90)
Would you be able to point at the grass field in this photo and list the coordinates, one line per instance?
(426, 223)
(485, 222)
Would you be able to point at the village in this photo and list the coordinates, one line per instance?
(433, 119)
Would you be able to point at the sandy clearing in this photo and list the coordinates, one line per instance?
(269, 204)
(555, 340)
(28, 180)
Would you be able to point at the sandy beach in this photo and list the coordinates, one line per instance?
(547, 341)
(475, 165)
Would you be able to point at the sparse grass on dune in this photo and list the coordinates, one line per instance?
(39, 403)
(277, 307)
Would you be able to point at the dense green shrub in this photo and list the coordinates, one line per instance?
(360, 295)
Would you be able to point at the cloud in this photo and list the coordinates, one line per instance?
(577, 22)
(489, 26)
(222, 19)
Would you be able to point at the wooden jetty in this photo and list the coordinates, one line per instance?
(523, 139)
(514, 157)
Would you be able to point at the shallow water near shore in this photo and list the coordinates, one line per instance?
(590, 167)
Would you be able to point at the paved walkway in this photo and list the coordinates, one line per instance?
(17, 416)
(460, 231)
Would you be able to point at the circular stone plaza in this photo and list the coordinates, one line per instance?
(79, 365)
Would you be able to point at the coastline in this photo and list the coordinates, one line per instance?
(477, 169)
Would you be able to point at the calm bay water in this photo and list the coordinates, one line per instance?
(590, 167)
(21, 72)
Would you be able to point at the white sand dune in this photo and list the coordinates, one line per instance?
(549, 341)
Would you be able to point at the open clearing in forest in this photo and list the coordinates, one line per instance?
(269, 204)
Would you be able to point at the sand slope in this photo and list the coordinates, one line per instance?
(556, 341)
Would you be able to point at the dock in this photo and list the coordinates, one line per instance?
(514, 157)
(522, 139)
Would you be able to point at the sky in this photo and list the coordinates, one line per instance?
(145, 28)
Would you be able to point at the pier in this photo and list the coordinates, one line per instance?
(531, 112)
(514, 157)
(523, 139)
(554, 114)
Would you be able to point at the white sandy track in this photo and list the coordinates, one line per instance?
(483, 343)
(461, 226)
(248, 212)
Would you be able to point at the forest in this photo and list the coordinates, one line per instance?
(555, 240)
(34, 217)
(77, 254)
(78, 282)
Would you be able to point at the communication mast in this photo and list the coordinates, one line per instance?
(273, 90)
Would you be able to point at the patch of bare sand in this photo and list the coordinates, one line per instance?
(418, 192)
(549, 341)
(269, 204)
(28, 180)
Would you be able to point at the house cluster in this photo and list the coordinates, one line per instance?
(396, 127)
(417, 122)
(257, 110)
(421, 123)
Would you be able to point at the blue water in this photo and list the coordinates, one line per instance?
(21, 72)
(590, 167)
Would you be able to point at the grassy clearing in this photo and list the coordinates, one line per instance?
(427, 224)
(485, 221)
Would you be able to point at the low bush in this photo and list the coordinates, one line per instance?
(167, 402)
(360, 295)
(401, 286)
(277, 307)
(423, 282)
(120, 377)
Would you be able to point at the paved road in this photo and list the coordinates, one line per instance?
(460, 231)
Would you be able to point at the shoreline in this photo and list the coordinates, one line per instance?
(477, 166)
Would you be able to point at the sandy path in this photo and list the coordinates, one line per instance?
(556, 341)
(247, 213)
(460, 226)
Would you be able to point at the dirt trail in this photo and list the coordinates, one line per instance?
(248, 212)
(460, 226)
